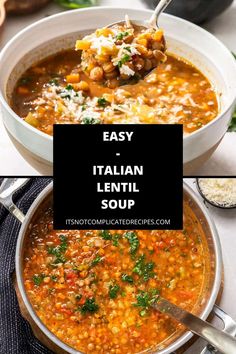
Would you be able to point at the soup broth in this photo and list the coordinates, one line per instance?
(56, 91)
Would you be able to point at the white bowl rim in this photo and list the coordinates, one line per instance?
(100, 8)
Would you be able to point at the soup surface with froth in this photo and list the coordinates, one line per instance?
(56, 91)
(95, 289)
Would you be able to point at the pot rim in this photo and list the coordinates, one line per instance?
(176, 344)
(226, 51)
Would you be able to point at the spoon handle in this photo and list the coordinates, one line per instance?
(7, 189)
(162, 5)
(222, 341)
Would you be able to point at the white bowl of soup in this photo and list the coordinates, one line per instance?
(196, 86)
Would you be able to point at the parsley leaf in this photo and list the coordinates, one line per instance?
(37, 279)
(113, 291)
(69, 87)
(59, 250)
(105, 234)
(116, 239)
(90, 120)
(25, 80)
(54, 278)
(102, 102)
(145, 299)
(96, 260)
(89, 306)
(144, 270)
(124, 60)
(127, 278)
(122, 35)
(133, 240)
(128, 49)
(54, 82)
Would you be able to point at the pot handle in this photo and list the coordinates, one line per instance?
(8, 188)
(229, 327)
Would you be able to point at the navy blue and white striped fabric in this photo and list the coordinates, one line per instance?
(16, 336)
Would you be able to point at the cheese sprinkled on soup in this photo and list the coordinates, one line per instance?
(56, 91)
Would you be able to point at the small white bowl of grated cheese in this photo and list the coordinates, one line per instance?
(219, 192)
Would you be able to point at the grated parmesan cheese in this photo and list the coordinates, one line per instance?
(219, 191)
(126, 70)
(102, 42)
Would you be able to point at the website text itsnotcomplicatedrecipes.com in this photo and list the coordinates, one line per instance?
(115, 222)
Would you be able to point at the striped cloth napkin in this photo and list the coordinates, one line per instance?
(16, 336)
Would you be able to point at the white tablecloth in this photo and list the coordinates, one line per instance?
(223, 161)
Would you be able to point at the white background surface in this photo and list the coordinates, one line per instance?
(225, 221)
(223, 161)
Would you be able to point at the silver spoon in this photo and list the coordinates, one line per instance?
(153, 21)
(222, 341)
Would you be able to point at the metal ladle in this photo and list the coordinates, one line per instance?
(220, 340)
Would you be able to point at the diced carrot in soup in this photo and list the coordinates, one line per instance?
(94, 289)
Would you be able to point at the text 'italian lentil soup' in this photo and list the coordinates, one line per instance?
(94, 289)
(57, 91)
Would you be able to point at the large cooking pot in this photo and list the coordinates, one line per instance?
(44, 200)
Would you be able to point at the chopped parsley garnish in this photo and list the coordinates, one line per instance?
(96, 260)
(89, 306)
(145, 299)
(102, 102)
(54, 278)
(133, 240)
(113, 291)
(64, 244)
(68, 92)
(25, 80)
(59, 250)
(69, 87)
(37, 279)
(127, 278)
(128, 49)
(105, 234)
(116, 239)
(54, 82)
(90, 120)
(122, 35)
(124, 60)
(143, 269)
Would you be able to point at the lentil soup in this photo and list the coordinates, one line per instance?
(94, 289)
(57, 91)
